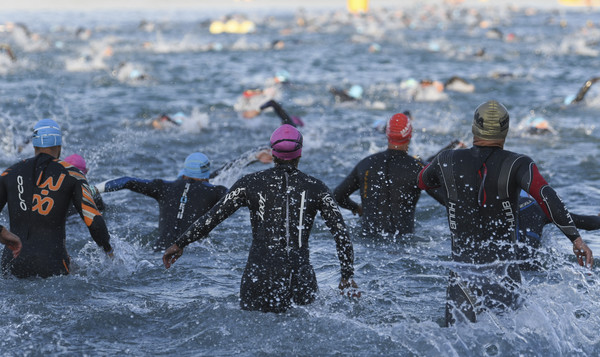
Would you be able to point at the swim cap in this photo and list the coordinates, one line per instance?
(398, 129)
(286, 142)
(282, 76)
(78, 162)
(46, 133)
(197, 166)
(490, 121)
(355, 91)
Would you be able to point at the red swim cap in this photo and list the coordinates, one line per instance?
(398, 130)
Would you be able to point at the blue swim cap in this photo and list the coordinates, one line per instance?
(178, 117)
(355, 91)
(46, 133)
(569, 99)
(282, 76)
(197, 166)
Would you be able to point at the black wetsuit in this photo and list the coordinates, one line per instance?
(180, 202)
(482, 187)
(388, 192)
(283, 203)
(531, 223)
(39, 192)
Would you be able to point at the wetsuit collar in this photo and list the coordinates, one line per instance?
(286, 167)
(397, 152)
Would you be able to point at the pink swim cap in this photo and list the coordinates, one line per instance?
(78, 162)
(286, 142)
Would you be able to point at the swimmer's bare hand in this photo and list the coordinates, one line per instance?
(349, 288)
(110, 253)
(171, 255)
(249, 114)
(264, 156)
(358, 211)
(583, 253)
(11, 241)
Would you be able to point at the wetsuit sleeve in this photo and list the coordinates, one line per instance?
(335, 222)
(534, 183)
(429, 176)
(588, 223)
(150, 188)
(226, 206)
(97, 198)
(86, 207)
(285, 118)
(342, 193)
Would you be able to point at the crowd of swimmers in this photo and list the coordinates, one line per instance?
(497, 203)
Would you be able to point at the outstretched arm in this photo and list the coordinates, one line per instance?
(232, 201)
(150, 188)
(262, 154)
(588, 223)
(285, 118)
(453, 145)
(584, 89)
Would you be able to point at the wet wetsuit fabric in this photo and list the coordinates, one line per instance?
(283, 203)
(531, 224)
(39, 192)
(482, 186)
(388, 192)
(180, 202)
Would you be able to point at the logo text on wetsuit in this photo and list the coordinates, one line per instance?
(510, 216)
(233, 194)
(183, 201)
(20, 188)
(328, 200)
(42, 203)
(261, 206)
(452, 215)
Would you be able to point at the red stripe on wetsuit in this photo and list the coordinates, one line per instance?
(535, 189)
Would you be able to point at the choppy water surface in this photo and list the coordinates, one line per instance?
(133, 306)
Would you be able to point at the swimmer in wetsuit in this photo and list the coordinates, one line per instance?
(582, 91)
(180, 202)
(183, 201)
(285, 118)
(482, 186)
(79, 162)
(39, 192)
(386, 180)
(283, 203)
(532, 220)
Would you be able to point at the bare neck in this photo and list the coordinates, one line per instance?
(403, 147)
(53, 151)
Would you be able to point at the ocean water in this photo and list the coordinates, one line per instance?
(532, 60)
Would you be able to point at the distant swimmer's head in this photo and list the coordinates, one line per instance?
(286, 143)
(490, 121)
(78, 162)
(197, 165)
(46, 133)
(178, 118)
(398, 130)
(282, 76)
(355, 91)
